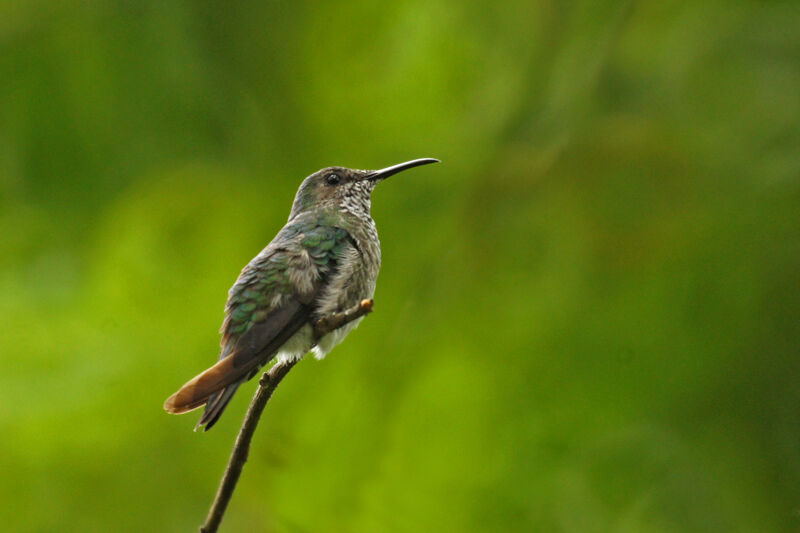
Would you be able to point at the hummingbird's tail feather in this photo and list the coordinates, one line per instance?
(215, 405)
(241, 359)
(198, 390)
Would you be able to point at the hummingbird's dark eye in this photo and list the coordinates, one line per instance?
(332, 179)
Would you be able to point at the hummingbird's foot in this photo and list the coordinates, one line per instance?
(328, 323)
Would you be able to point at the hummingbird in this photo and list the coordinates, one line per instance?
(323, 261)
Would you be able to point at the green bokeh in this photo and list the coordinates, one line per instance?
(588, 314)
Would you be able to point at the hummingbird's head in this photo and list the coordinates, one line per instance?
(345, 188)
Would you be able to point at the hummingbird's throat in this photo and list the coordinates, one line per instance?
(357, 198)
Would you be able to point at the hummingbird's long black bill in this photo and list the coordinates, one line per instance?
(384, 173)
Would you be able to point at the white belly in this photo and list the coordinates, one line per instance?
(302, 342)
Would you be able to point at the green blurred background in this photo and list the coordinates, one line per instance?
(587, 317)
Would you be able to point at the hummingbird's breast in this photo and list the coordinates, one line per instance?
(357, 269)
(354, 281)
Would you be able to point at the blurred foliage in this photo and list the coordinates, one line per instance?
(587, 318)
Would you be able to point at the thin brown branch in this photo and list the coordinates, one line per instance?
(326, 324)
(266, 386)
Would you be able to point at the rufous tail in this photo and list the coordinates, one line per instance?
(196, 392)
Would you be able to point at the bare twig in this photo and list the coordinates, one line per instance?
(241, 448)
(326, 324)
(266, 386)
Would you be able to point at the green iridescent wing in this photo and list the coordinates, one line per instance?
(295, 270)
